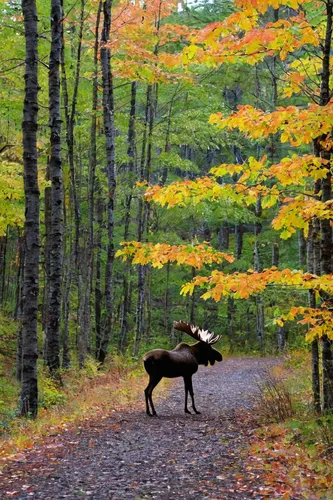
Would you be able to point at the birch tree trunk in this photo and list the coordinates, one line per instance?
(98, 284)
(326, 266)
(260, 307)
(86, 317)
(29, 392)
(301, 249)
(109, 131)
(55, 170)
(131, 171)
(141, 220)
(315, 343)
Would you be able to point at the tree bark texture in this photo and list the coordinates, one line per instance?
(224, 236)
(29, 392)
(3, 251)
(301, 249)
(326, 195)
(231, 309)
(131, 170)
(110, 135)
(315, 343)
(86, 319)
(98, 282)
(142, 220)
(56, 205)
(239, 232)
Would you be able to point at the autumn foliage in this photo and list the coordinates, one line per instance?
(243, 38)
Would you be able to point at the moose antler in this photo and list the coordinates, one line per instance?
(197, 333)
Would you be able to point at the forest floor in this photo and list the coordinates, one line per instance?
(128, 455)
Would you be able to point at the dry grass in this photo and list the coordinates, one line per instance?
(275, 399)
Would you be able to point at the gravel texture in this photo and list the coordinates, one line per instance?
(129, 455)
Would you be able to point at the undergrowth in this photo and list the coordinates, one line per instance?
(76, 396)
(294, 445)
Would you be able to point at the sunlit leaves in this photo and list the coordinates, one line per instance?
(243, 285)
(318, 320)
(297, 169)
(160, 254)
(263, 5)
(11, 195)
(137, 31)
(241, 38)
(296, 125)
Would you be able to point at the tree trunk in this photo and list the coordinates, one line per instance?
(86, 317)
(141, 221)
(224, 236)
(281, 334)
(69, 263)
(260, 308)
(166, 300)
(149, 304)
(131, 170)
(326, 195)
(98, 285)
(301, 249)
(260, 320)
(3, 251)
(257, 231)
(239, 231)
(20, 267)
(192, 299)
(315, 375)
(70, 126)
(315, 344)
(47, 253)
(231, 322)
(55, 168)
(167, 140)
(110, 136)
(29, 392)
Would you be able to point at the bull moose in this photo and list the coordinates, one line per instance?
(182, 361)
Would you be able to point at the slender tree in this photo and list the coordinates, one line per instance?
(131, 171)
(29, 393)
(110, 136)
(326, 266)
(55, 167)
(92, 181)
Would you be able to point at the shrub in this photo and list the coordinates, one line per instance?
(50, 394)
(274, 400)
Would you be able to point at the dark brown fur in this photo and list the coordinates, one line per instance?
(182, 361)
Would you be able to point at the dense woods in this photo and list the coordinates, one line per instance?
(164, 160)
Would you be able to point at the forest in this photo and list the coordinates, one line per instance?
(163, 160)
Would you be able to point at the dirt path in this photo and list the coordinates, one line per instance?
(174, 456)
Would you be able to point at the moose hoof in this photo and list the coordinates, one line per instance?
(188, 411)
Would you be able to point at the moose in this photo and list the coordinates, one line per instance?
(182, 361)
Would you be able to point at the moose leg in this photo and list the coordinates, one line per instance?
(190, 388)
(187, 388)
(153, 381)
